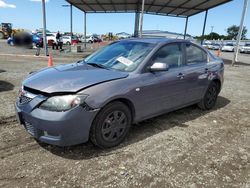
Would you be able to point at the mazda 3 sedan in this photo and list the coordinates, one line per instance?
(123, 83)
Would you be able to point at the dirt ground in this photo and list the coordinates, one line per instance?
(185, 148)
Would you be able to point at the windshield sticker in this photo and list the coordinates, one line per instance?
(124, 61)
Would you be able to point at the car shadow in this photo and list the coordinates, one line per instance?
(6, 86)
(138, 132)
(229, 62)
(1, 70)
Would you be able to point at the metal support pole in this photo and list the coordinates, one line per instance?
(141, 18)
(204, 27)
(85, 30)
(136, 28)
(236, 51)
(44, 29)
(185, 32)
(71, 21)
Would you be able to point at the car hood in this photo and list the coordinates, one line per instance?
(70, 78)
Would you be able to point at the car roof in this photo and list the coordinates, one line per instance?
(155, 40)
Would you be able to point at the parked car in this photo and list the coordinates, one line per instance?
(229, 47)
(97, 39)
(123, 35)
(215, 47)
(91, 39)
(245, 48)
(207, 45)
(68, 40)
(37, 41)
(51, 37)
(123, 83)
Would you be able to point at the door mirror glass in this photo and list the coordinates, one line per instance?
(158, 66)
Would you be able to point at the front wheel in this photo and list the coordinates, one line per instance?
(111, 125)
(210, 97)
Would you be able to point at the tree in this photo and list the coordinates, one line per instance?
(232, 32)
(211, 36)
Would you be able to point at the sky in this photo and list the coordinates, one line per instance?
(27, 14)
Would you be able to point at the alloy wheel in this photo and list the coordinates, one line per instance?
(114, 126)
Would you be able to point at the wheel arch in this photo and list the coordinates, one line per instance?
(125, 101)
(218, 82)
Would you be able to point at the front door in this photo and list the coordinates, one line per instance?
(165, 90)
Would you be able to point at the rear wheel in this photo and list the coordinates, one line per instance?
(68, 43)
(209, 100)
(111, 125)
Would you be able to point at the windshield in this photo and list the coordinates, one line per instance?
(229, 44)
(124, 56)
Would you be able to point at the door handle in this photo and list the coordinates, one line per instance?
(180, 75)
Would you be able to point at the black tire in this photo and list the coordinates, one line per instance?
(210, 97)
(68, 43)
(108, 129)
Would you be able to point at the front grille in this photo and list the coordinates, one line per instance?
(24, 100)
(30, 128)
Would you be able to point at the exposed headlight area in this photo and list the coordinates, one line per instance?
(63, 103)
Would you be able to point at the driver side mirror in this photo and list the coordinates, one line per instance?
(157, 66)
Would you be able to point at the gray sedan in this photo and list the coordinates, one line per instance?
(126, 82)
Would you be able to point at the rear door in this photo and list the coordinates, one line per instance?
(196, 71)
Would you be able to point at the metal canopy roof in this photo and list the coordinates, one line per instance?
(180, 8)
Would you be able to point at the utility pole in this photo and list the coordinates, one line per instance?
(44, 29)
(236, 51)
(141, 18)
(212, 28)
(71, 19)
(85, 30)
(204, 27)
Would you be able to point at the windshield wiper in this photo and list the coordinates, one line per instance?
(97, 65)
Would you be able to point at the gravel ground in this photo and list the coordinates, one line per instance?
(185, 148)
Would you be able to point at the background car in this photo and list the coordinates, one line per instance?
(123, 35)
(36, 40)
(245, 48)
(51, 37)
(215, 47)
(207, 44)
(91, 38)
(68, 40)
(229, 47)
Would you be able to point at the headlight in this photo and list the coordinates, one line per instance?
(63, 103)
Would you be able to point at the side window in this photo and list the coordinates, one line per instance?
(170, 54)
(195, 55)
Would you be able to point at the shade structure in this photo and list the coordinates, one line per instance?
(179, 8)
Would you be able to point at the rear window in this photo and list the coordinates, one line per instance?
(195, 54)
